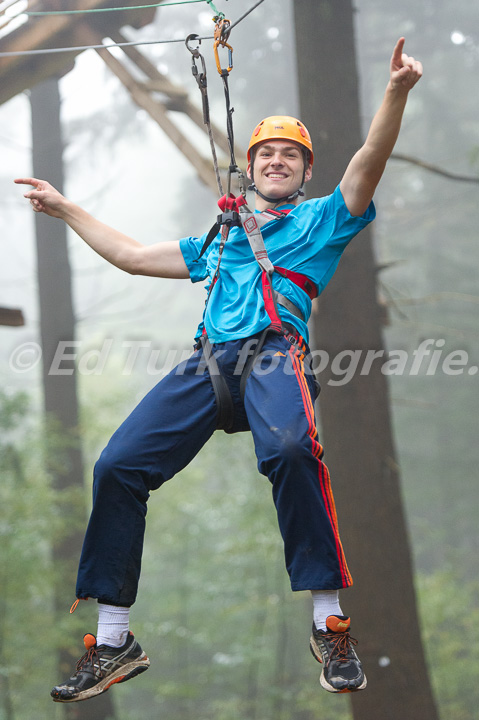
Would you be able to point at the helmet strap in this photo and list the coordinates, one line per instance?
(276, 201)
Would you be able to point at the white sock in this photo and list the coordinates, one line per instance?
(325, 603)
(113, 625)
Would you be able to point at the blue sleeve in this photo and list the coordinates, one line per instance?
(368, 216)
(342, 226)
(191, 248)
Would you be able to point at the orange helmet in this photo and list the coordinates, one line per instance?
(281, 127)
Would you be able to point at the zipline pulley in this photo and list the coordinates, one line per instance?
(221, 35)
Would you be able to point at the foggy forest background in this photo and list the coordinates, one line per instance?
(227, 638)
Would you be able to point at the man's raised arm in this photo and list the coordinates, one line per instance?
(160, 260)
(367, 166)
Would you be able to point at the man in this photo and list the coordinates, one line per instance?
(273, 397)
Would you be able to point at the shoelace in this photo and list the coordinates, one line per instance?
(89, 657)
(341, 643)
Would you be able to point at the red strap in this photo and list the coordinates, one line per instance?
(240, 201)
(269, 303)
(277, 213)
(300, 280)
(231, 202)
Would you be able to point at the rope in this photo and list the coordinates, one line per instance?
(38, 13)
(201, 79)
(233, 168)
(221, 35)
(215, 10)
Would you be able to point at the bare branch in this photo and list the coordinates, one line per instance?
(435, 168)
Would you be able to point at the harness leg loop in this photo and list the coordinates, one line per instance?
(224, 401)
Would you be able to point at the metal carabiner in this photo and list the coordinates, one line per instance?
(191, 37)
(221, 35)
(196, 55)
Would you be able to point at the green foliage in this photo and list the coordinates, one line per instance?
(34, 519)
(474, 157)
(450, 612)
(26, 521)
(227, 638)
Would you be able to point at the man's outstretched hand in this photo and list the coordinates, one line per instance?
(405, 70)
(43, 198)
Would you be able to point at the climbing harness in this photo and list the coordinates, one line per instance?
(235, 212)
(252, 224)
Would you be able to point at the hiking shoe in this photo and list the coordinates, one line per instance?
(334, 648)
(100, 667)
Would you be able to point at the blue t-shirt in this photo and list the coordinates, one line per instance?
(310, 240)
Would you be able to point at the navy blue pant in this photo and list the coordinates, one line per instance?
(169, 427)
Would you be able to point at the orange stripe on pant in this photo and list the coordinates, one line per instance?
(323, 472)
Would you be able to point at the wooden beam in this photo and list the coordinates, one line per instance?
(155, 109)
(176, 92)
(19, 73)
(12, 317)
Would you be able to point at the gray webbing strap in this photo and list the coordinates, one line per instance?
(224, 401)
(293, 309)
(252, 224)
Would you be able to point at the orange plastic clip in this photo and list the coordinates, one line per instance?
(75, 605)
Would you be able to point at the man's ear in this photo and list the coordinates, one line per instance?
(308, 173)
(248, 172)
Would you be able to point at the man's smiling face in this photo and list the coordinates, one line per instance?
(278, 168)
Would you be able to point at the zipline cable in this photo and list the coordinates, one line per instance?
(240, 19)
(42, 13)
(81, 48)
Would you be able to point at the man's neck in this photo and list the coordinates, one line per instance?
(261, 204)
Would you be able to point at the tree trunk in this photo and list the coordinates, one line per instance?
(356, 425)
(57, 324)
